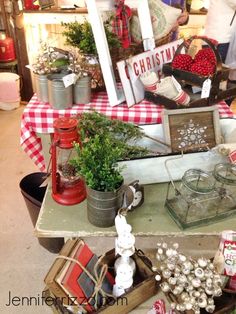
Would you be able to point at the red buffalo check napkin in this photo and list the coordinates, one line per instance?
(232, 157)
(159, 308)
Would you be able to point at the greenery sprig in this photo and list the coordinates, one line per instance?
(104, 142)
(123, 135)
(80, 35)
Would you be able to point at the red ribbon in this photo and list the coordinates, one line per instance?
(121, 22)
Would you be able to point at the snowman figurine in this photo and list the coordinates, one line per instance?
(125, 247)
(123, 279)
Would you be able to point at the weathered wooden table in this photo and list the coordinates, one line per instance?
(151, 223)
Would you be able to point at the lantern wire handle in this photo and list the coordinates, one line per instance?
(47, 175)
(49, 167)
(168, 171)
(124, 208)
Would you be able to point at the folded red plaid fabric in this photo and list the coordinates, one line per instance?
(121, 22)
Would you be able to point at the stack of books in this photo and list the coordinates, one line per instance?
(70, 283)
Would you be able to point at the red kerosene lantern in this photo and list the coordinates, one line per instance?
(67, 186)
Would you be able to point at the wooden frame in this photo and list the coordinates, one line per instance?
(114, 91)
(192, 129)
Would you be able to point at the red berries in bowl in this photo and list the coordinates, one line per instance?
(182, 62)
(204, 62)
(203, 68)
(205, 54)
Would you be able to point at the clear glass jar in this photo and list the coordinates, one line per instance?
(225, 175)
(203, 197)
(194, 200)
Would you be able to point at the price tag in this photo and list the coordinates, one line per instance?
(223, 85)
(28, 66)
(176, 84)
(149, 44)
(196, 89)
(92, 60)
(206, 87)
(69, 79)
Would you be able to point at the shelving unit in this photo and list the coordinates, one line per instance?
(45, 25)
(11, 21)
(6, 27)
(57, 10)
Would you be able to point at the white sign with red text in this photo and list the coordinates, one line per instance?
(132, 68)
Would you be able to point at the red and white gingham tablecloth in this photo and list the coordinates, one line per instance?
(38, 117)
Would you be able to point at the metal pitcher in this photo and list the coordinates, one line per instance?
(41, 87)
(82, 90)
(60, 97)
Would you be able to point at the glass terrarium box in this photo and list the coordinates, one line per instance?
(202, 197)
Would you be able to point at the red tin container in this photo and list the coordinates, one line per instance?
(29, 5)
(7, 50)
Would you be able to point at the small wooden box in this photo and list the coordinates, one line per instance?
(144, 287)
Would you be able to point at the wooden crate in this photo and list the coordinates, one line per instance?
(192, 130)
(192, 79)
(195, 98)
(144, 287)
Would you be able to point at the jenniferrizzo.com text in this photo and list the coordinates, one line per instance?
(40, 300)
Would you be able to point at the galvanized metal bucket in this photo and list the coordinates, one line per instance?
(82, 90)
(102, 207)
(41, 87)
(60, 97)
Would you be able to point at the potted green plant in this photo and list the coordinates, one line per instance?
(103, 143)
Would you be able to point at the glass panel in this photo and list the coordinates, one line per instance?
(64, 168)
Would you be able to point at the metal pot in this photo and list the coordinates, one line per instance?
(82, 90)
(41, 87)
(60, 97)
(102, 207)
